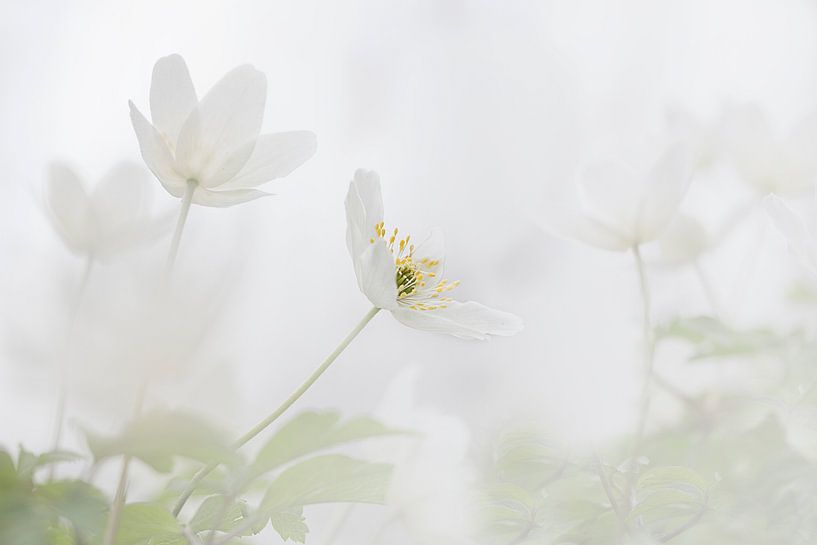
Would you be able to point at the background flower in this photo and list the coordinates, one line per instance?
(111, 218)
(622, 208)
(215, 141)
(766, 160)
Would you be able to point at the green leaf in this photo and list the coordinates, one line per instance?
(290, 524)
(157, 437)
(217, 512)
(148, 521)
(323, 479)
(80, 503)
(714, 339)
(312, 431)
(28, 462)
(327, 479)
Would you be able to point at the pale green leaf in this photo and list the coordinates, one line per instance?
(157, 437)
(310, 432)
(147, 521)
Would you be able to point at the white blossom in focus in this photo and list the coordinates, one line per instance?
(768, 162)
(621, 208)
(407, 280)
(214, 143)
(111, 218)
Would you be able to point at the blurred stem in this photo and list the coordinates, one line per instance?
(62, 394)
(187, 199)
(114, 516)
(649, 360)
(261, 426)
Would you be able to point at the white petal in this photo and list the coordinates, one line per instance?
(375, 272)
(121, 195)
(609, 190)
(172, 96)
(218, 137)
(665, 186)
(221, 199)
(801, 243)
(464, 320)
(364, 209)
(567, 223)
(70, 208)
(275, 156)
(155, 153)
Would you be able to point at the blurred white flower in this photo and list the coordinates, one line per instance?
(802, 242)
(429, 491)
(407, 280)
(767, 162)
(110, 219)
(684, 240)
(621, 208)
(214, 143)
(704, 136)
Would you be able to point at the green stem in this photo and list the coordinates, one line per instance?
(261, 426)
(187, 200)
(62, 394)
(649, 346)
(649, 360)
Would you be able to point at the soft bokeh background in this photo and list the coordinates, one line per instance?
(474, 112)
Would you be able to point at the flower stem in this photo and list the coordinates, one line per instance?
(649, 359)
(261, 426)
(112, 526)
(62, 394)
(187, 199)
(649, 346)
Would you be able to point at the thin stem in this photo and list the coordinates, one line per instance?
(62, 394)
(608, 491)
(261, 426)
(187, 199)
(112, 526)
(649, 345)
(649, 360)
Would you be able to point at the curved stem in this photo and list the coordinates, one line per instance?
(261, 426)
(187, 199)
(62, 394)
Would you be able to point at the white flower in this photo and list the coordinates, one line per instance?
(214, 142)
(764, 160)
(683, 241)
(430, 489)
(702, 134)
(622, 208)
(407, 280)
(112, 218)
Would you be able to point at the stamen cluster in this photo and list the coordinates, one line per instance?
(412, 275)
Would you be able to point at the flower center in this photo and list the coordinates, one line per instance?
(411, 275)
